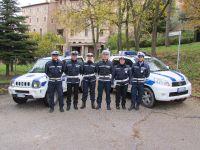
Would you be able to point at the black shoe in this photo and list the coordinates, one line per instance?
(68, 108)
(132, 107)
(51, 110)
(98, 107)
(117, 107)
(83, 105)
(93, 105)
(75, 107)
(137, 107)
(123, 107)
(61, 110)
(108, 107)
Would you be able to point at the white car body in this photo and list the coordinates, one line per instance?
(166, 85)
(22, 86)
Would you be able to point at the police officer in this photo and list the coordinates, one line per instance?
(89, 81)
(54, 70)
(73, 69)
(104, 70)
(122, 77)
(140, 71)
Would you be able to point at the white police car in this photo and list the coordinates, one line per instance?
(163, 84)
(34, 84)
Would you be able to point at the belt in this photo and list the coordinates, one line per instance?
(107, 76)
(89, 75)
(72, 77)
(138, 79)
(122, 80)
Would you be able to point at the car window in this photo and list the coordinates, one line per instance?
(127, 61)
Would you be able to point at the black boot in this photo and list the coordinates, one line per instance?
(51, 110)
(93, 105)
(61, 110)
(117, 107)
(132, 107)
(75, 107)
(68, 107)
(124, 107)
(137, 106)
(83, 105)
(98, 107)
(108, 107)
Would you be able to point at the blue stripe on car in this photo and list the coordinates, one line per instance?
(171, 78)
(149, 82)
(182, 78)
(43, 83)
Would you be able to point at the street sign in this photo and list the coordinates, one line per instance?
(175, 33)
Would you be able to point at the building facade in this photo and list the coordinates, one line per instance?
(41, 18)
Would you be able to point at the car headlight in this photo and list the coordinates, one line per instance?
(162, 82)
(36, 84)
(12, 83)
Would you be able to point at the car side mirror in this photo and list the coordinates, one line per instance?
(168, 67)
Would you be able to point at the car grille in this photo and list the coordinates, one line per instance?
(178, 93)
(181, 83)
(22, 84)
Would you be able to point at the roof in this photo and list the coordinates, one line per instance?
(38, 4)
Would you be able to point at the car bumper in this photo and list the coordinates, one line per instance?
(171, 93)
(29, 93)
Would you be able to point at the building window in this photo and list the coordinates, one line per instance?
(72, 32)
(45, 19)
(33, 30)
(37, 19)
(40, 32)
(86, 32)
(60, 32)
(101, 32)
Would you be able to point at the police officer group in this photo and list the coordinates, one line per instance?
(104, 72)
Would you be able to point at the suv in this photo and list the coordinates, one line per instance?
(34, 84)
(163, 84)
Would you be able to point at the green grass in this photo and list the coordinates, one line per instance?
(189, 61)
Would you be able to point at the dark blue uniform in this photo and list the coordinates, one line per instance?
(89, 81)
(122, 77)
(73, 69)
(104, 71)
(140, 71)
(54, 70)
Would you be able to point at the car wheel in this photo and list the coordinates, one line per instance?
(46, 99)
(20, 100)
(180, 100)
(148, 99)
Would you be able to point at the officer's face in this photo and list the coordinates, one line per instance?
(140, 58)
(74, 57)
(55, 57)
(105, 56)
(122, 61)
(89, 58)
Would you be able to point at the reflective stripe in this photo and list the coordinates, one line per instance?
(103, 80)
(122, 80)
(138, 79)
(89, 75)
(72, 77)
(107, 76)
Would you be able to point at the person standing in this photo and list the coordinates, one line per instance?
(54, 70)
(73, 70)
(122, 76)
(89, 81)
(104, 70)
(140, 71)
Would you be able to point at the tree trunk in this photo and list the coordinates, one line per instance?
(7, 69)
(11, 66)
(119, 47)
(127, 28)
(93, 37)
(168, 24)
(137, 35)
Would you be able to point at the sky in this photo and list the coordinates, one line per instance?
(26, 2)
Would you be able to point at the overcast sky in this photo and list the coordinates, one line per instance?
(26, 2)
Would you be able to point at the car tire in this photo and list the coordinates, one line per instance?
(148, 99)
(46, 101)
(20, 100)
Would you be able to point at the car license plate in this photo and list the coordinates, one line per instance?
(182, 89)
(21, 95)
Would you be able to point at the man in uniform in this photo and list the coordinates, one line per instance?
(122, 77)
(89, 81)
(140, 71)
(73, 70)
(54, 70)
(104, 70)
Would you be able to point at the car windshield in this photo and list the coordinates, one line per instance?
(156, 65)
(39, 67)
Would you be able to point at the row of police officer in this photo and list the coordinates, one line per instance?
(107, 74)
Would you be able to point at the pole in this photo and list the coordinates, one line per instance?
(178, 56)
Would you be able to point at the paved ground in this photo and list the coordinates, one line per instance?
(169, 126)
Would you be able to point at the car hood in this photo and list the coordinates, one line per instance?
(30, 77)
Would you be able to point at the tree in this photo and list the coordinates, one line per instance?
(168, 23)
(14, 40)
(47, 43)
